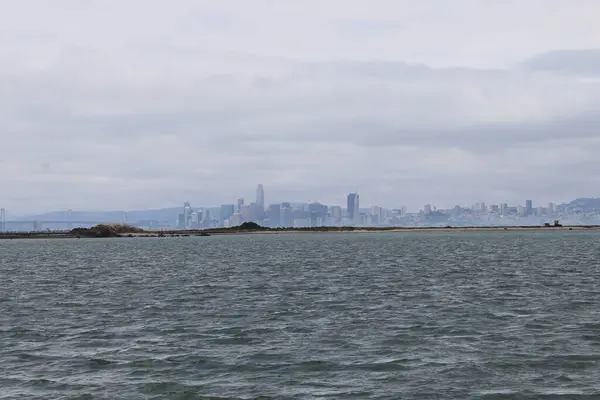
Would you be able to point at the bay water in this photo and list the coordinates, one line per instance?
(457, 315)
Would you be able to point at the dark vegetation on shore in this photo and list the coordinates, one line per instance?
(106, 230)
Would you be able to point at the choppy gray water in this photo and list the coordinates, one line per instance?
(492, 315)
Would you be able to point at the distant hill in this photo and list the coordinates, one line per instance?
(163, 214)
(585, 204)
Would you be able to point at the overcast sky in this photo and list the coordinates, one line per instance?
(135, 104)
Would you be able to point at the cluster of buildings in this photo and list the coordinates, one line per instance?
(278, 215)
(315, 214)
(582, 211)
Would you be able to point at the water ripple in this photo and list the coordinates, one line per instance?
(491, 315)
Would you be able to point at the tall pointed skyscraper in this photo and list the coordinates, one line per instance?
(353, 207)
(260, 197)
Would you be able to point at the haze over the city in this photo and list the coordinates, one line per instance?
(117, 105)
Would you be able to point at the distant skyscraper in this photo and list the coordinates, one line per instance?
(240, 204)
(225, 213)
(539, 211)
(187, 214)
(317, 213)
(376, 214)
(353, 207)
(551, 208)
(274, 215)
(287, 215)
(260, 196)
(246, 214)
(528, 207)
(318, 209)
(336, 213)
(236, 220)
(2, 220)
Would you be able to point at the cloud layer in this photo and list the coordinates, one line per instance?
(112, 105)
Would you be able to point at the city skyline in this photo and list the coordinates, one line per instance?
(352, 206)
(311, 214)
(342, 200)
(241, 201)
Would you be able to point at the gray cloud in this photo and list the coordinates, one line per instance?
(160, 104)
(577, 62)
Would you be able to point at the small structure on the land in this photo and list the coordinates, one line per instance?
(556, 224)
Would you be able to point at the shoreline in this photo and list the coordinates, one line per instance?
(268, 231)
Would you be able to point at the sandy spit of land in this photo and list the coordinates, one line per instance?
(63, 235)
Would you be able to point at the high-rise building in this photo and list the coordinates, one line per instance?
(260, 196)
(480, 207)
(336, 213)
(240, 204)
(551, 208)
(318, 209)
(187, 215)
(206, 216)
(2, 220)
(236, 220)
(225, 213)
(528, 207)
(274, 216)
(317, 213)
(376, 215)
(287, 215)
(246, 213)
(504, 209)
(539, 211)
(252, 213)
(353, 207)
